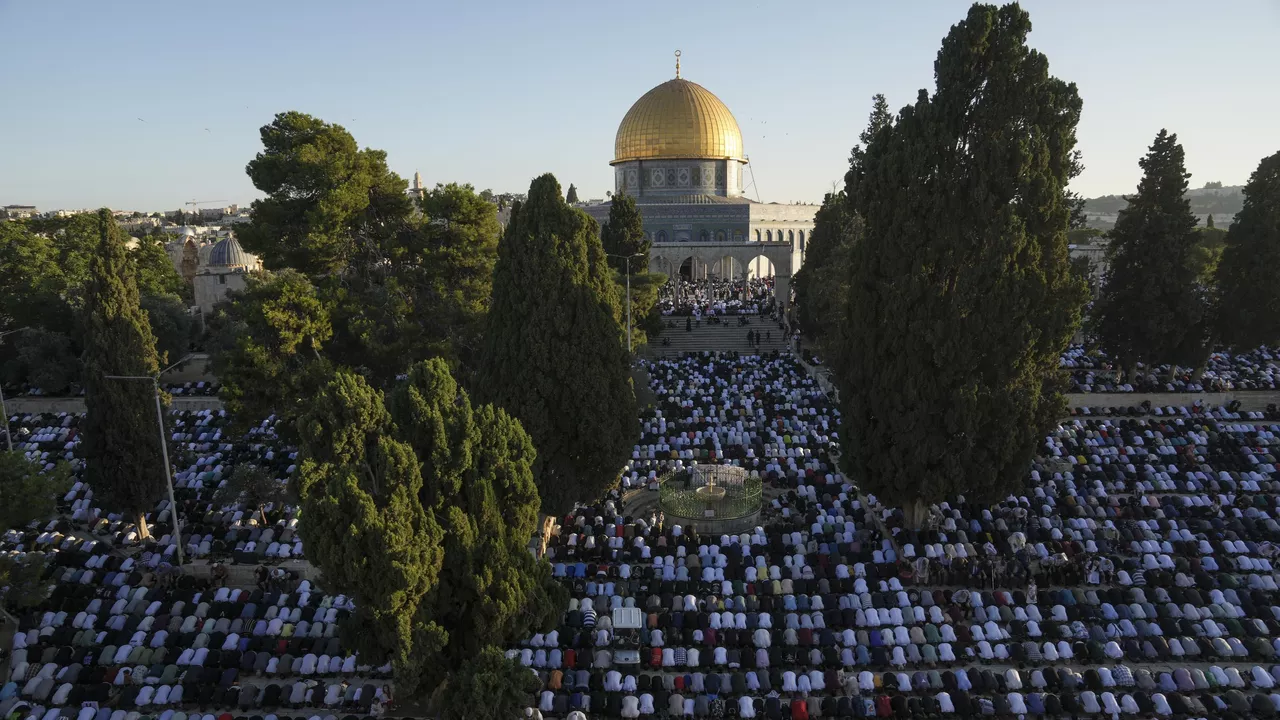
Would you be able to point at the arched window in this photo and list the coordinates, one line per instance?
(662, 236)
(757, 236)
(702, 236)
(801, 242)
(768, 235)
(720, 236)
(791, 236)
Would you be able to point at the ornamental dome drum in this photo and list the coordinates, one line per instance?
(678, 120)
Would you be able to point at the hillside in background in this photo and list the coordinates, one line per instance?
(1221, 202)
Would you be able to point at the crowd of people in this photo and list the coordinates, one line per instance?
(1093, 371)
(714, 296)
(125, 632)
(1133, 575)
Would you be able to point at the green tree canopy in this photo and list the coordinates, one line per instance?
(397, 284)
(554, 354)
(420, 506)
(623, 236)
(172, 324)
(1209, 221)
(253, 487)
(330, 206)
(27, 493)
(155, 271)
(121, 446)
(1151, 308)
(268, 343)
(1248, 275)
(488, 686)
(961, 295)
(572, 196)
(822, 284)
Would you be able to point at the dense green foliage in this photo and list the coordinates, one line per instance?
(420, 506)
(623, 236)
(1248, 275)
(120, 446)
(155, 272)
(488, 687)
(22, 577)
(554, 353)
(390, 282)
(822, 283)
(268, 343)
(28, 493)
(627, 248)
(172, 325)
(330, 206)
(252, 487)
(571, 197)
(44, 267)
(961, 297)
(1151, 308)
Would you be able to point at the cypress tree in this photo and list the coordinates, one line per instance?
(420, 507)
(554, 353)
(121, 446)
(822, 284)
(1209, 222)
(1152, 309)
(572, 196)
(961, 295)
(1249, 272)
(623, 235)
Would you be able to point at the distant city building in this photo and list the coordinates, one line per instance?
(20, 212)
(679, 153)
(417, 189)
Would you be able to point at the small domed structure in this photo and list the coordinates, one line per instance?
(223, 271)
(228, 253)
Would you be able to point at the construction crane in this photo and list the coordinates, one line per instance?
(193, 204)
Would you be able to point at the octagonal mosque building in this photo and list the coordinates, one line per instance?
(679, 153)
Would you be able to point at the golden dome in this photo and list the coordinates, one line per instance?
(678, 119)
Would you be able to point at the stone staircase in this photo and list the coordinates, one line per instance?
(727, 336)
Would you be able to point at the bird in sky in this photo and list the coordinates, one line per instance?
(141, 120)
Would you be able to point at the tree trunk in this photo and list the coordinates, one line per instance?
(263, 512)
(916, 513)
(143, 531)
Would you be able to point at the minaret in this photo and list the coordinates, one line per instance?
(417, 188)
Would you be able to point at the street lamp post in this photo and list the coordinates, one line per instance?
(164, 449)
(628, 261)
(8, 438)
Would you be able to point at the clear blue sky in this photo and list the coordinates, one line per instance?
(495, 93)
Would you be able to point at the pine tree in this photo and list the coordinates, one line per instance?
(572, 196)
(961, 297)
(1248, 275)
(121, 446)
(1151, 308)
(1209, 222)
(554, 354)
(420, 506)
